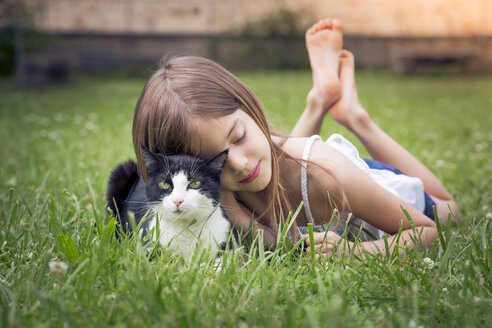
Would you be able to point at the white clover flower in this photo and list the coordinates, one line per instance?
(431, 136)
(59, 268)
(31, 117)
(53, 135)
(12, 182)
(77, 119)
(481, 146)
(488, 215)
(429, 264)
(445, 290)
(44, 121)
(60, 117)
(90, 125)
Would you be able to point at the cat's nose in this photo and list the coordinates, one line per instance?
(178, 202)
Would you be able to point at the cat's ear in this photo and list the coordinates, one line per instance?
(150, 157)
(219, 160)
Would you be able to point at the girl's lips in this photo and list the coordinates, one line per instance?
(253, 175)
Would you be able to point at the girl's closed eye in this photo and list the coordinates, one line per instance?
(240, 139)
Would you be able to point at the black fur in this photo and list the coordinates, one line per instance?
(121, 181)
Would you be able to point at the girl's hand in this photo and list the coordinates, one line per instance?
(324, 242)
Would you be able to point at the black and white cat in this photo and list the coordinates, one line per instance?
(181, 194)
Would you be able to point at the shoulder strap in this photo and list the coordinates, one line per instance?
(304, 190)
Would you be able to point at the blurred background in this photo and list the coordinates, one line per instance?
(47, 40)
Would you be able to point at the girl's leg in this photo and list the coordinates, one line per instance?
(324, 43)
(349, 112)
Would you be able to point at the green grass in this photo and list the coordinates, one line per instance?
(59, 144)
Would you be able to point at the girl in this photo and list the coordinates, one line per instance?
(195, 106)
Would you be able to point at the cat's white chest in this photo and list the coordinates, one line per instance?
(209, 233)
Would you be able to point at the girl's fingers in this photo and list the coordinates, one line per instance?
(319, 255)
(320, 237)
(322, 248)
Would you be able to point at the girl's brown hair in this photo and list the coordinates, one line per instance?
(188, 87)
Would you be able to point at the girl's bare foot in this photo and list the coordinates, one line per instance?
(347, 110)
(324, 42)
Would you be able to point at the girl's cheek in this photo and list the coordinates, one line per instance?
(225, 181)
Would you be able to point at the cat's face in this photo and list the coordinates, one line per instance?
(183, 185)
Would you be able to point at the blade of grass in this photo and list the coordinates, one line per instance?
(311, 242)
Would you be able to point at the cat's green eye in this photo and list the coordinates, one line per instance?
(164, 185)
(194, 184)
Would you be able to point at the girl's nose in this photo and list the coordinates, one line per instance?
(236, 161)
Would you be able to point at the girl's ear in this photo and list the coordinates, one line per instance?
(149, 156)
(219, 160)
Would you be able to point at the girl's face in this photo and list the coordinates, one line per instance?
(249, 164)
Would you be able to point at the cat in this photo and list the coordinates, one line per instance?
(181, 195)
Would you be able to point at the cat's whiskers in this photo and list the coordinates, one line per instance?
(165, 165)
(137, 202)
(194, 166)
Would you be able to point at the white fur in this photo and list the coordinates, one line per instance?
(177, 228)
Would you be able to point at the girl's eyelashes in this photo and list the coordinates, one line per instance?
(241, 139)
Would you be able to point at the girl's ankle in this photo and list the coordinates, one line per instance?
(314, 103)
(361, 122)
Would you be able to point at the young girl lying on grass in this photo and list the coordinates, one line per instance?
(192, 105)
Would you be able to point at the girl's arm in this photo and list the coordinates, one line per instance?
(326, 242)
(370, 202)
(242, 218)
